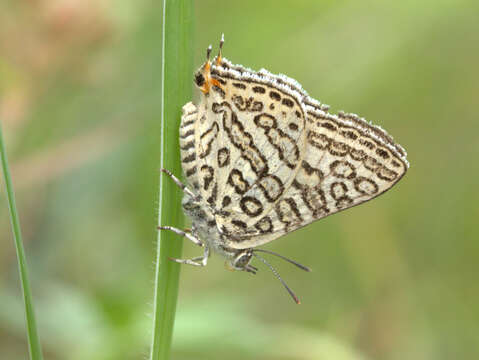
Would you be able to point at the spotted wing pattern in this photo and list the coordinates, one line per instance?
(345, 164)
(246, 157)
(269, 159)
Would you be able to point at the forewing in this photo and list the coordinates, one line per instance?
(347, 162)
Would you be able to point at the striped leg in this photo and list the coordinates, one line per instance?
(187, 235)
(196, 261)
(178, 182)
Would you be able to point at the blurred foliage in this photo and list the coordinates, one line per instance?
(395, 278)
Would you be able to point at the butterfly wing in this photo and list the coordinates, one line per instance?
(347, 162)
(245, 156)
(268, 159)
(187, 144)
(338, 161)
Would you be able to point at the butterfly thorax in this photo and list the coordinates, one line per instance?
(205, 227)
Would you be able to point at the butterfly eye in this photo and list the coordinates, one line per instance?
(199, 79)
(242, 260)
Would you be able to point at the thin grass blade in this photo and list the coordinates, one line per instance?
(176, 91)
(34, 346)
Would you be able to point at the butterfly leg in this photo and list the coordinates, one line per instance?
(178, 182)
(196, 261)
(182, 233)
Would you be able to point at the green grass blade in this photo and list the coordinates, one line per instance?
(176, 91)
(32, 333)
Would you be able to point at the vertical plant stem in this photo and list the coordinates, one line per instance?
(34, 347)
(176, 90)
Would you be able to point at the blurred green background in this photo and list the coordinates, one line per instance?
(396, 278)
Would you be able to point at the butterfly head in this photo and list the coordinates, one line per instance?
(241, 261)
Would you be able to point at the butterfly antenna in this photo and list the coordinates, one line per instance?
(301, 266)
(293, 295)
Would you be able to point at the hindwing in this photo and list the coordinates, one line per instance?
(188, 145)
(250, 140)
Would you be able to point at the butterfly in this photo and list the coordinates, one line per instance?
(261, 158)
